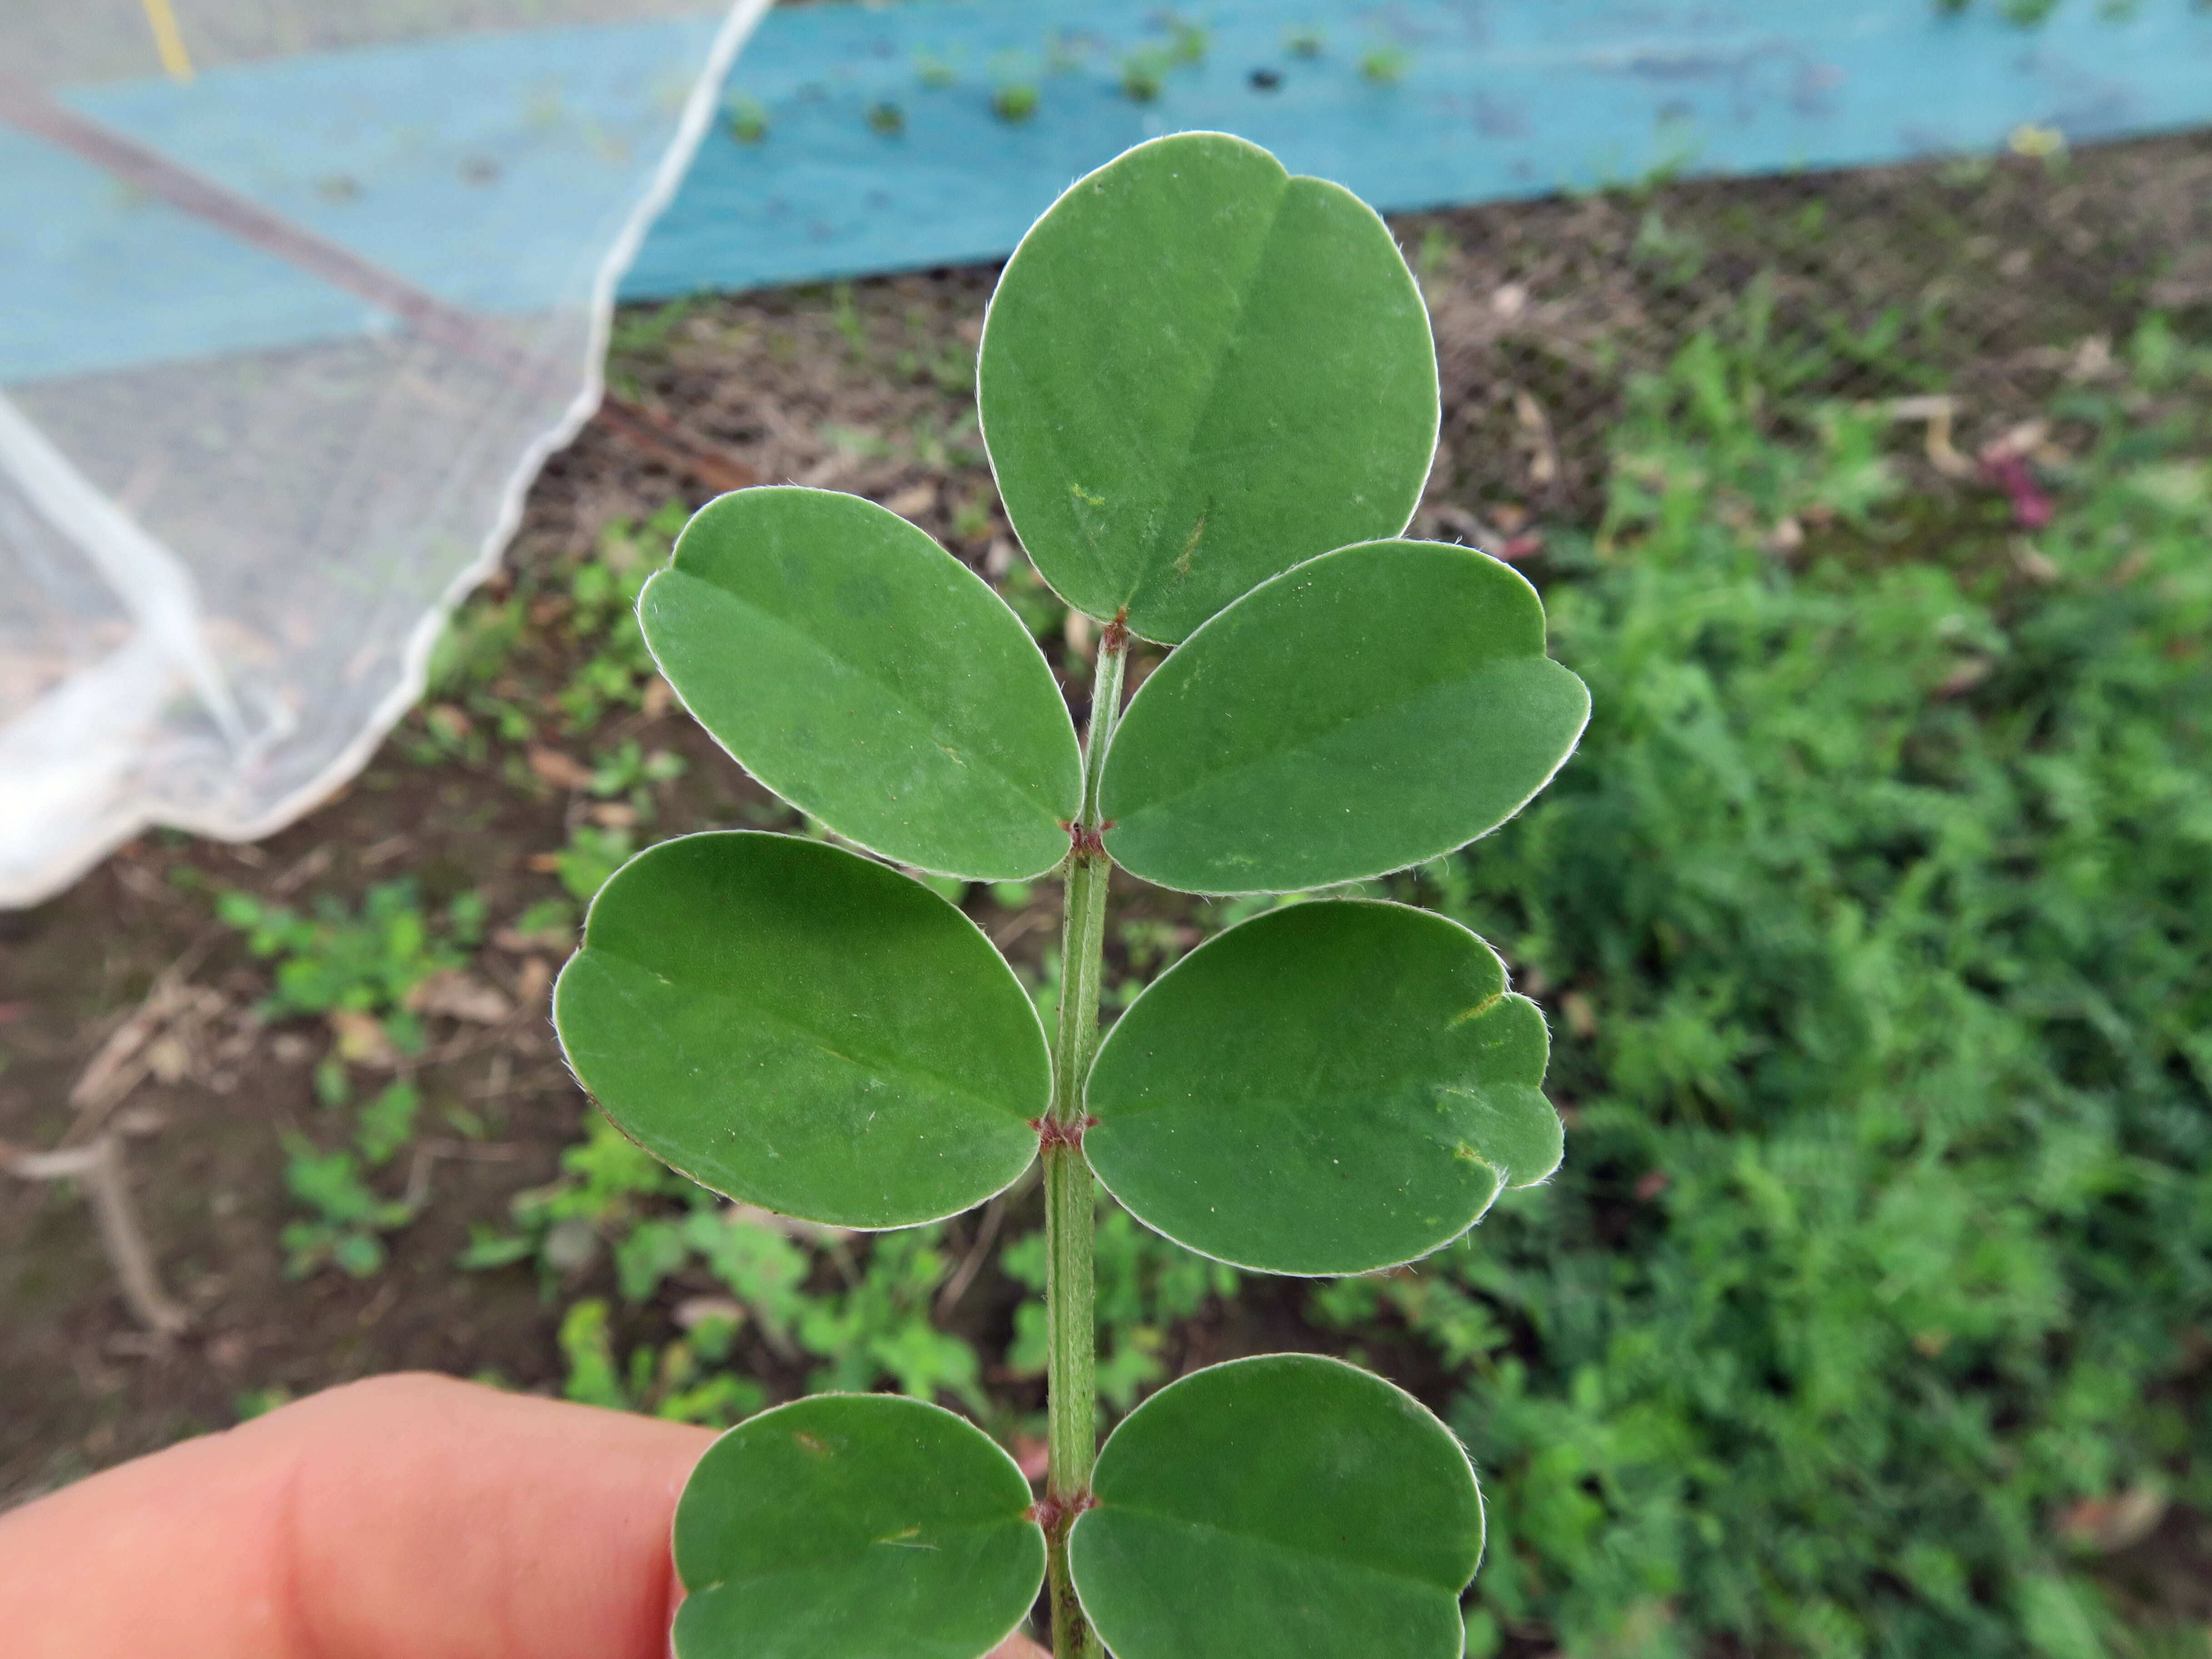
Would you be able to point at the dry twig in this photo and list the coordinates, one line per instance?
(98, 1164)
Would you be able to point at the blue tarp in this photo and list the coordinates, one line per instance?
(873, 142)
(1412, 104)
(491, 171)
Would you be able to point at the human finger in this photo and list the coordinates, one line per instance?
(410, 1516)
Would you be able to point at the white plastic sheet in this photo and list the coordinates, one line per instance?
(295, 295)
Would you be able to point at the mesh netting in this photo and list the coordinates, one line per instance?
(299, 297)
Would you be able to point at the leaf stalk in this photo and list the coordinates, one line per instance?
(1072, 1355)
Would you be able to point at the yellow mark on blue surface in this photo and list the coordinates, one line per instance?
(169, 41)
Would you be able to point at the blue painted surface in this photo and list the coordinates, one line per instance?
(493, 170)
(1494, 99)
(489, 168)
(93, 276)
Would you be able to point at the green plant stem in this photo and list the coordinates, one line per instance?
(1071, 1354)
(1072, 1389)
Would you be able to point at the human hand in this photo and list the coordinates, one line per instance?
(404, 1518)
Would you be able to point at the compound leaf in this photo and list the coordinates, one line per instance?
(1290, 1506)
(852, 1527)
(1330, 1088)
(1197, 371)
(799, 1027)
(1372, 708)
(868, 677)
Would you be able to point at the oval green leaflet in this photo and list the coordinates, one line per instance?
(1366, 711)
(1198, 370)
(869, 678)
(801, 1028)
(852, 1527)
(1290, 1506)
(1331, 1087)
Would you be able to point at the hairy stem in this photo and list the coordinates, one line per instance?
(1072, 1387)
(1072, 1357)
(1082, 944)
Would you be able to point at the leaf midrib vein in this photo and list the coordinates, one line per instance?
(1308, 741)
(820, 1042)
(1159, 557)
(1274, 1545)
(865, 669)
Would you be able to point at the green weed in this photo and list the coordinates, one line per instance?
(856, 1320)
(1143, 72)
(608, 1183)
(748, 120)
(1878, 909)
(497, 645)
(1140, 75)
(386, 1124)
(674, 1380)
(1041, 610)
(602, 591)
(477, 644)
(950, 364)
(336, 960)
(1187, 42)
(250, 1403)
(879, 1326)
(1383, 65)
(348, 1219)
(627, 777)
(629, 773)
(359, 969)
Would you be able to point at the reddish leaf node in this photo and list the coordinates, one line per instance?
(1051, 1133)
(1085, 842)
(1053, 1513)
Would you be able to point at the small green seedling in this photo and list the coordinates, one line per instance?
(1383, 65)
(748, 120)
(1209, 392)
(1015, 101)
(1140, 75)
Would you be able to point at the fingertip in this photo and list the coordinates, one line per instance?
(406, 1514)
(542, 1525)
